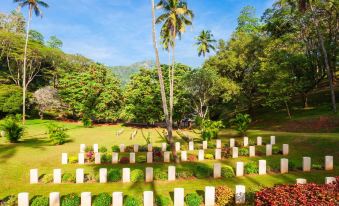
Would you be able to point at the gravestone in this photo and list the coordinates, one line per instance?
(240, 194)
(64, 158)
(149, 157)
(149, 174)
(117, 199)
(218, 154)
(234, 152)
(23, 199)
(136, 148)
(82, 147)
(54, 199)
(81, 158)
(306, 164)
(217, 170)
(209, 196)
(240, 169)
(132, 157)
(262, 167)
(218, 143)
(268, 150)
(34, 177)
(122, 148)
(328, 162)
(259, 141)
(149, 148)
(79, 176)
(103, 175)
(171, 173)
(245, 141)
(301, 181)
(184, 156)
(163, 147)
(148, 198)
(97, 158)
(272, 140)
(283, 165)
(285, 149)
(86, 199)
(126, 175)
(167, 156)
(252, 151)
(232, 142)
(201, 155)
(179, 195)
(95, 148)
(330, 180)
(115, 157)
(177, 146)
(2, 133)
(57, 176)
(204, 144)
(191, 146)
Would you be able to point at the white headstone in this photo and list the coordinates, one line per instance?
(301, 181)
(283, 165)
(330, 180)
(122, 148)
(54, 199)
(209, 196)
(234, 152)
(34, 177)
(23, 199)
(167, 156)
(252, 151)
(149, 148)
(82, 147)
(268, 150)
(97, 158)
(95, 148)
(218, 154)
(232, 142)
(262, 167)
(126, 175)
(103, 175)
(149, 157)
(117, 199)
(217, 170)
(115, 157)
(163, 147)
(240, 194)
(259, 141)
(2, 133)
(136, 148)
(57, 176)
(183, 156)
(177, 146)
(204, 144)
(132, 157)
(191, 146)
(148, 198)
(81, 158)
(149, 174)
(79, 176)
(218, 143)
(179, 196)
(240, 169)
(86, 199)
(306, 164)
(285, 149)
(201, 155)
(171, 173)
(328, 162)
(245, 141)
(64, 158)
(272, 140)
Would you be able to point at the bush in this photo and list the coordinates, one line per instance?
(40, 201)
(185, 173)
(57, 134)
(159, 174)
(114, 175)
(276, 150)
(210, 129)
(13, 130)
(102, 149)
(115, 148)
(124, 160)
(140, 159)
(224, 196)
(70, 200)
(10, 99)
(241, 122)
(88, 149)
(90, 156)
(317, 167)
(193, 199)
(103, 199)
(209, 156)
(47, 178)
(91, 177)
(227, 171)
(192, 158)
(251, 168)
(73, 159)
(161, 200)
(68, 177)
(11, 201)
(87, 122)
(243, 151)
(137, 175)
(106, 158)
(292, 165)
(131, 201)
(202, 171)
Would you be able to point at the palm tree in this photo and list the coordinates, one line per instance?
(33, 5)
(205, 42)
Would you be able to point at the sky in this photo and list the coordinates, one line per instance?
(118, 32)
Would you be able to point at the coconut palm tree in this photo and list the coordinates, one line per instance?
(205, 42)
(33, 6)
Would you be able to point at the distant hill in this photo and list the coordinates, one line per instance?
(125, 72)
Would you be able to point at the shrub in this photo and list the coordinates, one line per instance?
(73, 159)
(292, 165)
(140, 159)
(131, 201)
(87, 122)
(70, 200)
(106, 158)
(40, 201)
(124, 160)
(243, 151)
(202, 171)
(276, 150)
(209, 156)
(129, 149)
(10, 99)
(241, 122)
(137, 175)
(143, 148)
(161, 200)
(157, 155)
(11, 201)
(210, 129)
(227, 171)
(88, 149)
(114, 175)
(90, 156)
(251, 168)
(317, 167)
(192, 158)
(91, 177)
(185, 173)
(68, 177)
(224, 195)
(13, 130)
(47, 178)
(103, 199)
(193, 199)
(102, 149)
(57, 134)
(159, 174)
(115, 148)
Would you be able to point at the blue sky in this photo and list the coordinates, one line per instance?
(118, 32)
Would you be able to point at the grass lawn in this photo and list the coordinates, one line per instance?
(35, 151)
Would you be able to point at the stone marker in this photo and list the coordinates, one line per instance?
(262, 167)
(57, 176)
(163, 147)
(95, 148)
(132, 157)
(283, 165)
(201, 155)
(167, 156)
(148, 198)
(179, 196)
(126, 175)
(86, 199)
(240, 169)
(103, 175)
(217, 170)
(54, 199)
(330, 180)
(171, 173)
(2, 133)
(23, 199)
(306, 164)
(122, 148)
(245, 141)
(259, 141)
(117, 199)
(204, 144)
(97, 158)
(328, 162)
(268, 150)
(177, 146)
(218, 143)
(81, 158)
(149, 174)
(240, 194)
(209, 196)
(149, 148)
(136, 148)
(64, 158)
(82, 147)
(252, 151)
(272, 140)
(234, 152)
(184, 156)
(79, 176)
(232, 142)
(285, 149)
(33, 176)
(115, 157)
(191, 146)
(301, 181)
(218, 154)
(149, 157)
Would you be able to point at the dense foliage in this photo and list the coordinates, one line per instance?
(57, 134)
(12, 128)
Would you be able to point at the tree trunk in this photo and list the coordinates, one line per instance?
(288, 110)
(305, 100)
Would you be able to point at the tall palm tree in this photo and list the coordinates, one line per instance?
(33, 6)
(205, 42)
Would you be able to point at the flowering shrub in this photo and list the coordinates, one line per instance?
(226, 152)
(157, 156)
(129, 149)
(299, 194)
(224, 195)
(192, 158)
(124, 160)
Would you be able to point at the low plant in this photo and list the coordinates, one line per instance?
(103, 199)
(251, 168)
(131, 201)
(102, 149)
(106, 158)
(114, 175)
(87, 122)
(73, 159)
(70, 200)
(11, 201)
(224, 195)
(40, 201)
(209, 156)
(202, 171)
(159, 174)
(292, 165)
(47, 178)
(13, 130)
(161, 200)
(68, 178)
(90, 156)
(193, 199)
(227, 171)
(317, 167)
(91, 177)
(192, 158)
(140, 159)
(243, 151)
(88, 149)
(115, 148)
(276, 150)
(57, 134)
(184, 173)
(137, 175)
(124, 160)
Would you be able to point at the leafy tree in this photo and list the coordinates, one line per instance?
(47, 99)
(36, 36)
(13, 22)
(210, 129)
(54, 42)
(205, 42)
(10, 99)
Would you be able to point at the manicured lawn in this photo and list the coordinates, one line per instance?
(35, 151)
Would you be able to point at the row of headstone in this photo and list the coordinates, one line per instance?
(328, 180)
(246, 141)
(235, 150)
(307, 163)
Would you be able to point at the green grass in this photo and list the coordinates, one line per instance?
(35, 151)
